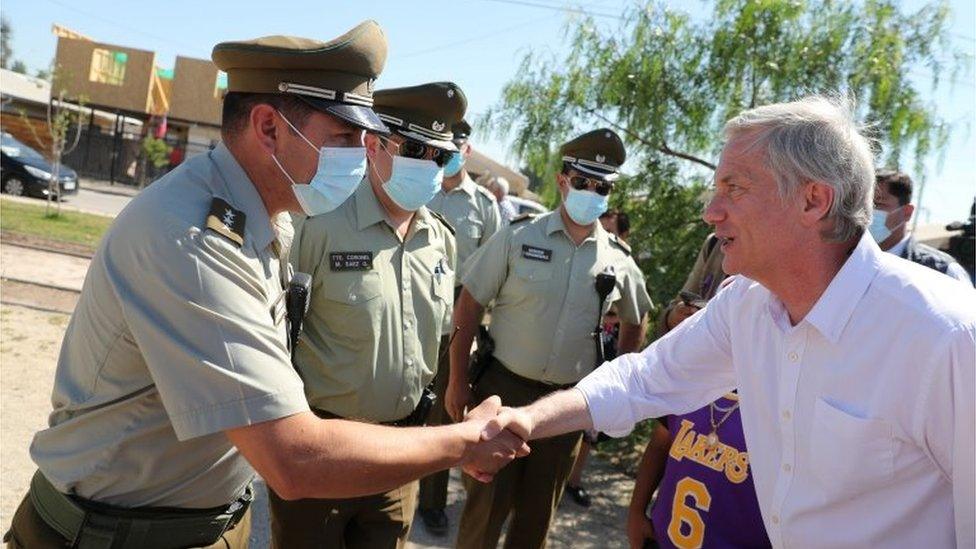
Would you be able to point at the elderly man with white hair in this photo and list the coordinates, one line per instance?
(499, 186)
(855, 368)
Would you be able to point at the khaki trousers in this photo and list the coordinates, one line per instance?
(529, 488)
(370, 522)
(29, 531)
(433, 488)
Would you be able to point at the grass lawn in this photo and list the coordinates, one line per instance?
(73, 227)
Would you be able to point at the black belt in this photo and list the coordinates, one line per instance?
(402, 422)
(92, 525)
(534, 383)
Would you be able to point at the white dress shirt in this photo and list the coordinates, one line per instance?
(859, 420)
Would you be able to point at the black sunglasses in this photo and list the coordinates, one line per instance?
(581, 183)
(422, 151)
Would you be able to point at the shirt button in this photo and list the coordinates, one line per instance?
(409, 362)
(787, 467)
(404, 399)
(787, 415)
(352, 297)
(794, 357)
(775, 519)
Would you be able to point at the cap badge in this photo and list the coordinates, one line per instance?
(600, 158)
(607, 135)
(437, 126)
(450, 93)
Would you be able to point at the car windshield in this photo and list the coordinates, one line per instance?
(13, 148)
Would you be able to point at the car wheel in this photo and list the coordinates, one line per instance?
(14, 186)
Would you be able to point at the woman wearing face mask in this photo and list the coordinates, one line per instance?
(541, 273)
(382, 269)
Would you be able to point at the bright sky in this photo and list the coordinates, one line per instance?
(476, 43)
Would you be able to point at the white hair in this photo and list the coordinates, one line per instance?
(816, 139)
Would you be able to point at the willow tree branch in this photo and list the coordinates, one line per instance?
(663, 148)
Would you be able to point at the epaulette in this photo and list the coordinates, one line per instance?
(226, 221)
(523, 217)
(619, 243)
(443, 220)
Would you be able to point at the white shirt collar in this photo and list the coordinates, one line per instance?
(833, 310)
(898, 248)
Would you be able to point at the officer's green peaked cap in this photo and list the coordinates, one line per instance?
(335, 76)
(426, 113)
(598, 153)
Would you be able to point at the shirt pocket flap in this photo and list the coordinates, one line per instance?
(353, 288)
(533, 273)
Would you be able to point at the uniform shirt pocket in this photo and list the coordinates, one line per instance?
(351, 307)
(850, 454)
(529, 272)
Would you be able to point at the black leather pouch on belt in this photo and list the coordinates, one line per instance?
(419, 414)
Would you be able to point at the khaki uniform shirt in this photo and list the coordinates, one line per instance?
(178, 335)
(546, 305)
(378, 308)
(473, 212)
(705, 278)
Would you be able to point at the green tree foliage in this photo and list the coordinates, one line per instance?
(19, 67)
(6, 50)
(667, 83)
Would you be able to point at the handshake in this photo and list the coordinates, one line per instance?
(496, 434)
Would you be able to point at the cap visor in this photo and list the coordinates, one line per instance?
(445, 144)
(595, 173)
(357, 115)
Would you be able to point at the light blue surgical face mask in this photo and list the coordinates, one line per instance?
(454, 165)
(413, 182)
(338, 174)
(585, 207)
(878, 229)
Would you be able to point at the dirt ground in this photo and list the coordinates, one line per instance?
(31, 329)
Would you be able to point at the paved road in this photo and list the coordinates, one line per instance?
(100, 199)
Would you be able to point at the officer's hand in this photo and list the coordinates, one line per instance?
(679, 313)
(639, 529)
(456, 398)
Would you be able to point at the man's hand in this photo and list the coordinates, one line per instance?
(496, 447)
(679, 313)
(516, 420)
(639, 529)
(456, 398)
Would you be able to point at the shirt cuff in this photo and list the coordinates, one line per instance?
(239, 413)
(606, 401)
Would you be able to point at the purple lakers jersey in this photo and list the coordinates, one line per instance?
(706, 498)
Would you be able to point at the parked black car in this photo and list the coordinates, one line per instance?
(24, 172)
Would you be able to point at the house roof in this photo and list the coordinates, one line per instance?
(30, 89)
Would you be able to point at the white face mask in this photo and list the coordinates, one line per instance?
(879, 228)
(338, 174)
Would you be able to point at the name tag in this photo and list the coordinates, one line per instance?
(351, 261)
(536, 254)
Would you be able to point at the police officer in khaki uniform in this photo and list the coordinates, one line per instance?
(541, 273)
(473, 212)
(174, 377)
(382, 268)
(704, 281)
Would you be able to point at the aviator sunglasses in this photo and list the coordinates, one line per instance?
(581, 183)
(421, 151)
